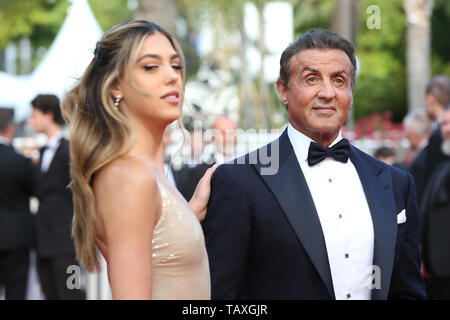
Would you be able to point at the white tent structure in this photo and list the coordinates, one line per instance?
(70, 53)
(15, 93)
(65, 61)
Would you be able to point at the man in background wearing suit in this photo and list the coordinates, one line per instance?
(418, 130)
(55, 248)
(435, 216)
(17, 177)
(437, 96)
(222, 149)
(310, 216)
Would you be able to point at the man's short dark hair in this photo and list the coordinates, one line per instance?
(315, 39)
(6, 117)
(49, 103)
(439, 87)
(384, 152)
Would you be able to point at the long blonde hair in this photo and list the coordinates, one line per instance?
(99, 132)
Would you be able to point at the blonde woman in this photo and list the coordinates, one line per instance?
(148, 234)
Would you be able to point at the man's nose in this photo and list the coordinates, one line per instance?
(326, 91)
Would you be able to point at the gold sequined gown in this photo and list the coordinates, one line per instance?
(180, 268)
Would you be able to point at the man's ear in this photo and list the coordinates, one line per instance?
(282, 91)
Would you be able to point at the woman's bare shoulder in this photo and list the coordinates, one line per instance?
(125, 171)
(124, 184)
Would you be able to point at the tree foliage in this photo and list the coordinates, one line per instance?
(382, 81)
(39, 20)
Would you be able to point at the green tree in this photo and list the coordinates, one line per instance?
(37, 19)
(381, 84)
(440, 46)
(110, 12)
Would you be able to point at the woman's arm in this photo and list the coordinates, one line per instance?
(128, 200)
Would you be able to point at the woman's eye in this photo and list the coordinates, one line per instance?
(151, 67)
(177, 67)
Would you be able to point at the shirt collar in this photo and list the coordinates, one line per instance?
(301, 143)
(4, 140)
(53, 142)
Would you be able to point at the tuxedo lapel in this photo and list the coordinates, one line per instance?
(292, 193)
(378, 189)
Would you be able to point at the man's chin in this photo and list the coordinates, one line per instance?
(445, 147)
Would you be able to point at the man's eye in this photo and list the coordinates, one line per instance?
(177, 67)
(311, 79)
(339, 81)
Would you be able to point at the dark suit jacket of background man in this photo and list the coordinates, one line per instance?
(17, 178)
(55, 213)
(264, 237)
(188, 177)
(418, 171)
(434, 154)
(435, 215)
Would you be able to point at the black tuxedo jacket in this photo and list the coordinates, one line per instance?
(55, 213)
(265, 241)
(435, 214)
(17, 178)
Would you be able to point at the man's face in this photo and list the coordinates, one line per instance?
(431, 105)
(39, 120)
(445, 125)
(319, 94)
(445, 130)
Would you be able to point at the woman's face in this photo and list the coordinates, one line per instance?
(157, 74)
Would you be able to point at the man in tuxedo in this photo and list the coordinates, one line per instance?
(310, 216)
(55, 248)
(17, 177)
(435, 214)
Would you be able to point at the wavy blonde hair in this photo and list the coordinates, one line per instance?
(99, 132)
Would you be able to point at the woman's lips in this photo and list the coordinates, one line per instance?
(172, 97)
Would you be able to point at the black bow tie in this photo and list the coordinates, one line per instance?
(340, 152)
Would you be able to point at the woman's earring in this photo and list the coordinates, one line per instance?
(117, 101)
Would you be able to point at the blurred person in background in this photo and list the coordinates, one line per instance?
(437, 96)
(224, 141)
(17, 181)
(221, 150)
(54, 244)
(418, 130)
(191, 173)
(387, 155)
(435, 216)
(172, 174)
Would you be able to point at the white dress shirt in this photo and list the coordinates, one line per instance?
(344, 216)
(51, 147)
(5, 141)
